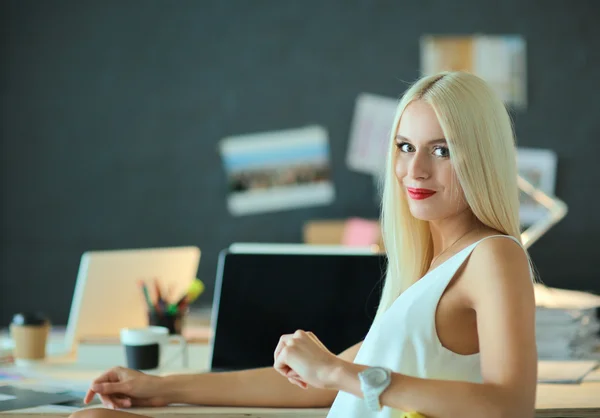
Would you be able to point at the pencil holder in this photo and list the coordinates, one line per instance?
(174, 322)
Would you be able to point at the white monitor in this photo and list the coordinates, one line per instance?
(107, 294)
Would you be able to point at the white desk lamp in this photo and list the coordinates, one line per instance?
(557, 209)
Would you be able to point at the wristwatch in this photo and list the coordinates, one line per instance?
(373, 381)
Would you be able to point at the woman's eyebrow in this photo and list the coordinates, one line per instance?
(431, 142)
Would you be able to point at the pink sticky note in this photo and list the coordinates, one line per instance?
(360, 232)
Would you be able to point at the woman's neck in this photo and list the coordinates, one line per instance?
(446, 232)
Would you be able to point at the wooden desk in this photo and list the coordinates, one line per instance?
(193, 412)
(552, 400)
(564, 401)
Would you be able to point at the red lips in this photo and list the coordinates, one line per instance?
(419, 194)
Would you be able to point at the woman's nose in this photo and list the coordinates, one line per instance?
(419, 167)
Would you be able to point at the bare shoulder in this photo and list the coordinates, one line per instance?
(496, 264)
(500, 291)
(501, 250)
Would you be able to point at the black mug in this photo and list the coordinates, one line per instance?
(143, 347)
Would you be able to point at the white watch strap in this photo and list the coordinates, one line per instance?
(372, 391)
(372, 401)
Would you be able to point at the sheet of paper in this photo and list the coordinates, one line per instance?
(593, 376)
(500, 60)
(18, 398)
(50, 409)
(360, 232)
(564, 371)
(75, 388)
(370, 133)
(9, 376)
(554, 298)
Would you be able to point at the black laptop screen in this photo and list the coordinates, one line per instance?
(263, 296)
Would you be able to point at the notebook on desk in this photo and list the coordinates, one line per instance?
(265, 291)
(12, 398)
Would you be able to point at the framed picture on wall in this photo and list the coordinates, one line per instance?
(498, 59)
(277, 170)
(538, 167)
(370, 133)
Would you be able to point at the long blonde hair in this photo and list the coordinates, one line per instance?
(480, 137)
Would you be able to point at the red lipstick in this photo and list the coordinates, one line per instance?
(419, 194)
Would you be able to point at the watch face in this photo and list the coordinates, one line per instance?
(376, 376)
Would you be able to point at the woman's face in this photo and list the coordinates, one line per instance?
(423, 166)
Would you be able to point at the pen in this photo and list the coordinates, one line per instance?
(172, 309)
(147, 296)
(160, 302)
(182, 303)
(195, 289)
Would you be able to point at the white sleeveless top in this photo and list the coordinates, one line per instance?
(404, 339)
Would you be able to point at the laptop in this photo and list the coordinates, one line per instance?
(263, 291)
(107, 295)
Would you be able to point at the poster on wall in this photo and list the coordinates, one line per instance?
(538, 167)
(277, 170)
(370, 133)
(499, 60)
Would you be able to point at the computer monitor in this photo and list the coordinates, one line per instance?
(107, 295)
(265, 291)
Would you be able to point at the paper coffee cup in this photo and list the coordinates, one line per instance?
(29, 333)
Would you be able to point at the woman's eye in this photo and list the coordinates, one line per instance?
(442, 152)
(405, 147)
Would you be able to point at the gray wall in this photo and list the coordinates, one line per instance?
(111, 112)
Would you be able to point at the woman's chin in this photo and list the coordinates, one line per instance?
(424, 215)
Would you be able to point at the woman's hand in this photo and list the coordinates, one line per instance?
(304, 360)
(123, 388)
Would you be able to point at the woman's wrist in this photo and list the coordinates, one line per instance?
(339, 374)
(344, 376)
(172, 388)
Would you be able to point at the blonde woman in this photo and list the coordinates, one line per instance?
(454, 334)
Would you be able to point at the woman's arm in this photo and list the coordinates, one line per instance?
(262, 387)
(501, 292)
